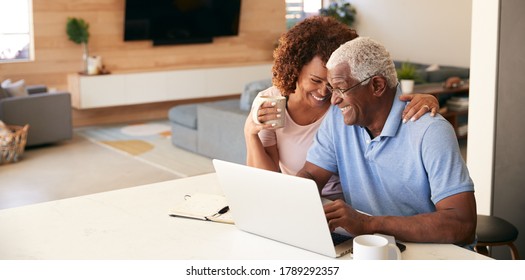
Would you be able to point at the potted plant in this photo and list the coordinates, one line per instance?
(340, 10)
(78, 31)
(407, 76)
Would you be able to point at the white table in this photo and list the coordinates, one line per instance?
(133, 223)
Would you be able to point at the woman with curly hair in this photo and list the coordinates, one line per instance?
(299, 74)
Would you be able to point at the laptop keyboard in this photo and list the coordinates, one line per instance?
(339, 238)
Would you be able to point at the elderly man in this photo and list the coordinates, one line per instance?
(420, 194)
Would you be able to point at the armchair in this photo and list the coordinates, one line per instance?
(48, 114)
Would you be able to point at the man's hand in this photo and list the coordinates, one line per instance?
(340, 214)
(454, 221)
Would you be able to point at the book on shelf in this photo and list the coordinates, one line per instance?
(462, 130)
(457, 103)
(203, 206)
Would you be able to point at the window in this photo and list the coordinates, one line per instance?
(297, 10)
(15, 30)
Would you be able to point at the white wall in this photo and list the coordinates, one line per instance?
(430, 31)
(483, 76)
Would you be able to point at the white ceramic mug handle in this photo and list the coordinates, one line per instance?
(257, 102)
(393, 247)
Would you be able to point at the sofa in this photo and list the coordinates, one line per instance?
(436, 73)
(48, 114)
(216, 129)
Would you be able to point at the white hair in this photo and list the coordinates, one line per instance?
(366, 58)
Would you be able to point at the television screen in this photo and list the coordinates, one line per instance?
(227, 14)
(180, 21)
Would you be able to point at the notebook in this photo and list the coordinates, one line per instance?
(280, 207)
(203, 206)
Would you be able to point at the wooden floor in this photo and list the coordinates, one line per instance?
(72, 168)
(133, 113)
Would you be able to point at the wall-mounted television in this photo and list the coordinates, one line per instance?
(180, 21)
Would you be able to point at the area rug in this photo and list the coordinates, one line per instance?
(151, 143)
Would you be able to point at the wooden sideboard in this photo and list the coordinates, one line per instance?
(120, 89)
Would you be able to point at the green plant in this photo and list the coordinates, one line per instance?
(78, 31)
(407, 71)
(340, 10)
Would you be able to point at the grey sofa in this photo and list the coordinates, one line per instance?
(48, 115)
(439, 75)
(215, 129)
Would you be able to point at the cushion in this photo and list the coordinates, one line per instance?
(15, 89)
(251, 90)
(36, 89)
(432, 67)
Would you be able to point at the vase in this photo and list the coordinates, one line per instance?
(407, 86)
(85, 58)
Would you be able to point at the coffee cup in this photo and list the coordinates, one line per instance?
(374, 247)
(280, 103)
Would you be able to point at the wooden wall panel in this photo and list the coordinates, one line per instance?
(261, 24)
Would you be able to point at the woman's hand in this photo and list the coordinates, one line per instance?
(266, 112)
(256, 154)
(419, 105)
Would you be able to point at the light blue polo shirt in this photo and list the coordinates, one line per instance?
(405, 171)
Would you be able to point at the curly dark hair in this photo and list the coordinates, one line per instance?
(314, 36)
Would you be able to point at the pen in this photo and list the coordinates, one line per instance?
(223, 210)
(220, 212)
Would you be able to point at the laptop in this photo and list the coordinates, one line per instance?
(280, 207)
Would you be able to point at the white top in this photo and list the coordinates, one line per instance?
(293, 142)
(133, 224)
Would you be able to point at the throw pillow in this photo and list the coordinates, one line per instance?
(433, 67)
(251, 90)
(15, 89)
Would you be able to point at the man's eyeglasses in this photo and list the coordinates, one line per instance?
(341, 92)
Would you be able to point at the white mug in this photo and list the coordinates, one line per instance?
(374, 247)
(280, 102)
